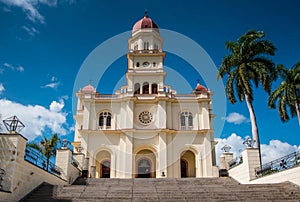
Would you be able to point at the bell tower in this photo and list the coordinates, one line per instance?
(145, 74)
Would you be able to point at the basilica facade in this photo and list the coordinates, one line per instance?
(146, 129)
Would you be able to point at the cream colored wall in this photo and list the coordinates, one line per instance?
(152, 38)
(166, 147)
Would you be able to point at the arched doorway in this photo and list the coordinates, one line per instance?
(187, 164)
(144, 168)
(145, 164)
(184, 168)
(103, 164)
(105, 169)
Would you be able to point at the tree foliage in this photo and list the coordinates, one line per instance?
(47, 147)
(287, 94)
(246, 66)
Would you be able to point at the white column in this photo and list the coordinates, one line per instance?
(150, 88)
(141, 88)
(128, 155)
(251, 158)
(161, 115)
(207, 157)
(162, 156)
(63, 160)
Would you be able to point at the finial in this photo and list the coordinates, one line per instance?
(249, 142)
(226, 148)
(13, 124)
(146, 13)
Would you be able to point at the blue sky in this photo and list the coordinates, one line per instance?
(44, 43)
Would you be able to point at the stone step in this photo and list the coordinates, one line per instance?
(187, 189)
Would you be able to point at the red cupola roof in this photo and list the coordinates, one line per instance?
(200, 88)
(144, 23)
(88, 88)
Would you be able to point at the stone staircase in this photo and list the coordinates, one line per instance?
(184, 189)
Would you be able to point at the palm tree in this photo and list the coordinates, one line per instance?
(47, 147)
(287, 93)
(245, 66)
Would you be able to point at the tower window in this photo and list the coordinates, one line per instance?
(186, 121)
(137, 88)
(154, 88)
(105, 120)
(146, 45)
(154, 64)
(155, 47)
(135, 46)
(137, 64)
(146, 88)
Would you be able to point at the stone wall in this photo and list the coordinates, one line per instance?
(291, 175)
(21, 176)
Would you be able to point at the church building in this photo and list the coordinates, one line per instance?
(146, 129)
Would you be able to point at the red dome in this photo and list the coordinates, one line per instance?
(200, 88)
(143, 23)
(88, 88)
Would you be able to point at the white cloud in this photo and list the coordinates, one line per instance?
(235, 118)
(269, 152)
(31, 30)
(57, 106)
(17, 68)
(65, 97)
(53, 78)
(1, 88)
(20, 69)
(53, 84)
(276, 149)
(30, 7)
(36, 118)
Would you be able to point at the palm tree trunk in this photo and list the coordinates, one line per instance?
(255, 135)
(298, 111)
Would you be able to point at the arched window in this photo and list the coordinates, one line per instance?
(137, 88)
(105, 120)
(186, 121)
(146, 45)
(137, 64)
(154, 88)
(135, 46)
(146, 88)
(154, 64)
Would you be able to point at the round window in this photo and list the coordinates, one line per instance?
(145, 117)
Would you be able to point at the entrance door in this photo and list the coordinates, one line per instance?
(105, 169)
(183, 168)
(144, 168)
